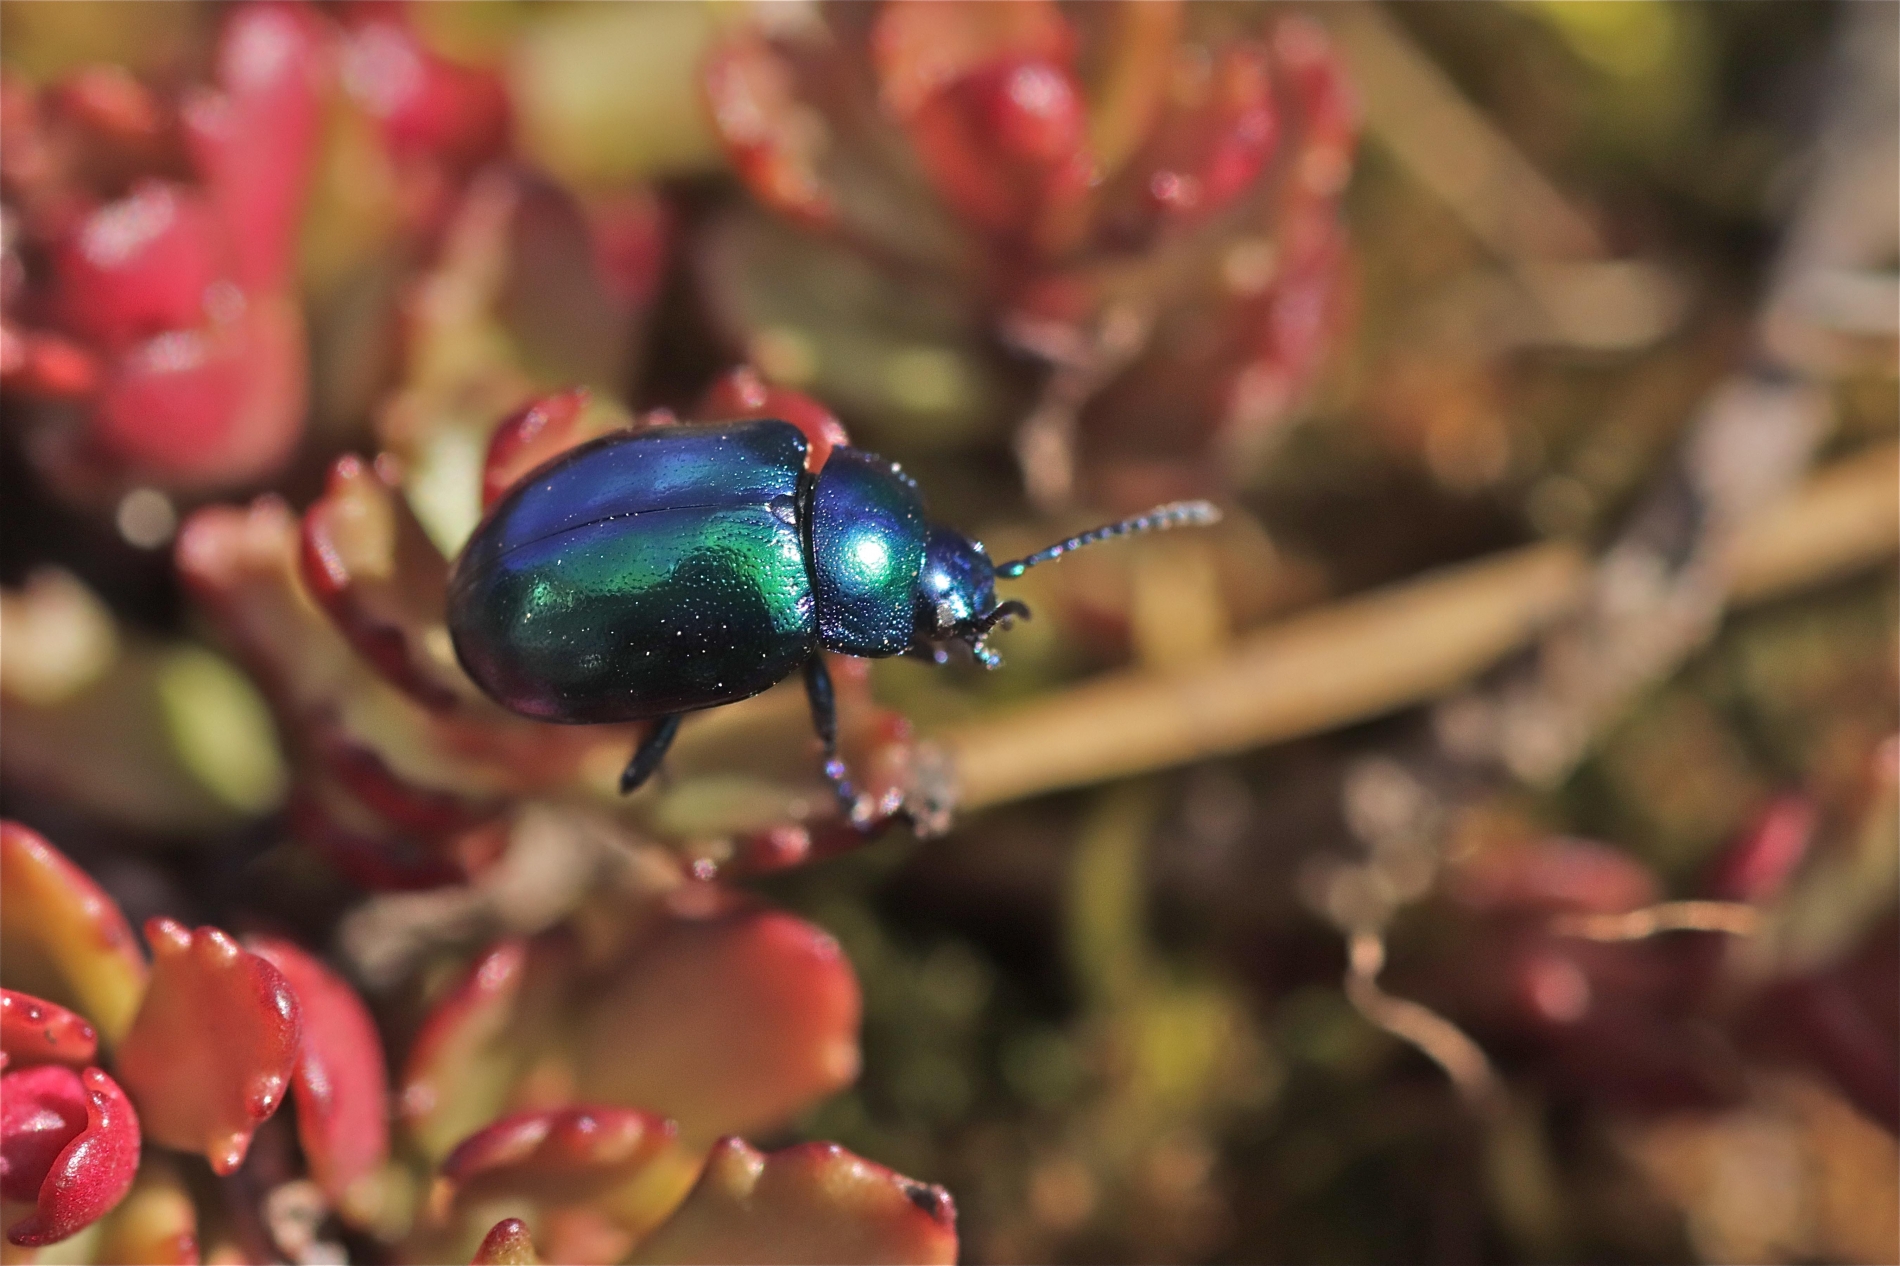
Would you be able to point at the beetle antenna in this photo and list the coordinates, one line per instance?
(1174, 514)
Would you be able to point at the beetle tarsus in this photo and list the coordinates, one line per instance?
(647, 756)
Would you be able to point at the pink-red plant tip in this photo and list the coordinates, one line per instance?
(107, 99)
(255, 140)
(459, 1027)
(1553, 874)
(1201, 157)
(69, 1142)
(427, 105)
(1758, 864)
(35, 1031)
(742, 395)
(46, 366)
(506, 1244)
(921, 49)
(814, 1202)
(214, 1045)
(1005, 148)
(562, 1155)
(340, 1083)
(538, 432)
(373, 570)
(749, 94)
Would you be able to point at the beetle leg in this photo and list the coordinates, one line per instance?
(647, 756)
(824, 719)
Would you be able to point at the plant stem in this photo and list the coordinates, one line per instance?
(1385, 650)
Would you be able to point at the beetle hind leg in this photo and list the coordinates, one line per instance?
(647, 756)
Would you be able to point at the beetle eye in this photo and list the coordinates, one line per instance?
(946, 613)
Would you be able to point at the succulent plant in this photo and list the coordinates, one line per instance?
(160, 307)
(1140, 199)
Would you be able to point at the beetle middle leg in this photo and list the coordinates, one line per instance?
(824, 719)
(647, 756)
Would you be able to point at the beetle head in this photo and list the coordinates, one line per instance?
(956, 598)
(956, 588)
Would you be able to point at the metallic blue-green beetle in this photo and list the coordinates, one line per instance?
(651, 573)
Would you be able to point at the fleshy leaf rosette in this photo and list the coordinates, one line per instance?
(169, 315)
(590, 1080)
(1141, 196)
(405, 772)
(721, 1014)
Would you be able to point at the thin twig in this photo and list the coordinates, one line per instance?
(1437, 1038)
(1732, 917)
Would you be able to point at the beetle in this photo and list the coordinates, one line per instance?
(651, 573)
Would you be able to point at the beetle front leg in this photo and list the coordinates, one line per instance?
(824, 719)
(647, 756)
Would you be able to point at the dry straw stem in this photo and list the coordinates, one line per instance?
(1386, 650)
(1669, 916)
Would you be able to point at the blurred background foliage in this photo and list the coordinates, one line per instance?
(1110, 1019)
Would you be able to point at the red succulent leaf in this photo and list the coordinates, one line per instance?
(208, 406)
(1329, 112)
(1210, 144)
(34, 1031)
(814, 1202)
(431, 816)
(371, 567)
(922, 48)
(61, 935)
(778, 1031)
(459, 1069)
(373, 859)
(426, 105)
(772, 138)
(140, 266)
(1555, 874)
(994, 110)
(559, 1156)
(240, 563)
(631, 230)
(255, 138)
(212, 1050)
(437, 771)
(1006, 147)
(537, 432)
(742, 395)
(506, 1244)
(69, 1142)
(46, 366)
(1759, 863)
(340, 1083)
(111, 103)
(42, 1111)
